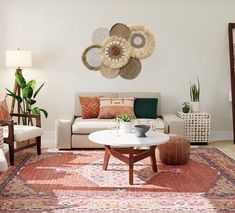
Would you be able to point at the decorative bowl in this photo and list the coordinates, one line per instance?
(141, 130)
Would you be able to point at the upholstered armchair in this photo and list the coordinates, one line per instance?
(15, 133)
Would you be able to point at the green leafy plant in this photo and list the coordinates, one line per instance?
(186, 105)
(195, 91)
(28, 94)
(125, 117)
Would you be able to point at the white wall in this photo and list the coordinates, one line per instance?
(191, 40)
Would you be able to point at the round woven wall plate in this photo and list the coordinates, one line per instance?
(108, 72)
(142, 41)
(120, 30)
(115, 52)
(91, 57)
(131, 70)
(99, 35)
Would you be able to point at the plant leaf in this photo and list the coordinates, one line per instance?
(10, 93)
(37, 91)
(20, 79)
(32, 84)
(31, 101)
(44, 112)
(198, 85)
(27, 92)
(35, 111)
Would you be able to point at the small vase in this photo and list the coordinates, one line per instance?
(195, 106)
(125, 127)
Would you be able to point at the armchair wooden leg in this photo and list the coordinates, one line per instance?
(38, 145)
(11, 154)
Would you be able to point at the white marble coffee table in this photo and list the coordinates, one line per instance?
(129, 144)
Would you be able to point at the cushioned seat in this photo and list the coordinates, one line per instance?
(23, 133)
(87, 126)
(175, 152)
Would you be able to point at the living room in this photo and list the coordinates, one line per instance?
(191, 46)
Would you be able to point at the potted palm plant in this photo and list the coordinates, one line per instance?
(195, 96)
(125, 122)
(27, 99)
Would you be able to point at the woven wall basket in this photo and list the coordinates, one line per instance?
(131, 70)
(108, 72)
(120, 30)
(99, 35)
(115, 52)
(91, 57)
(142, 41)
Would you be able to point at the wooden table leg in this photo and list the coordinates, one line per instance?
(106, 157)
(153, 158)
(131, 162)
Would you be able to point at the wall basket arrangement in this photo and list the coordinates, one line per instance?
(118, 51)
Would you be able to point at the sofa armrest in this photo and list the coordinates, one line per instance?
(63, 131)
(176, 124)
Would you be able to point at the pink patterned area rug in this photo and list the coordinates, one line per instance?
(73, 181)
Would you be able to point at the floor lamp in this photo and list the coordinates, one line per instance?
(18, 59)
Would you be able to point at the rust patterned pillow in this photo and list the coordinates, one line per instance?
(4, 112)
(90, 106)
(111, 107)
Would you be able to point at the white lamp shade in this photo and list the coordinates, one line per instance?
(18, 58)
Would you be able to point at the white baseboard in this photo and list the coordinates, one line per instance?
(48, 138)
(221, 135)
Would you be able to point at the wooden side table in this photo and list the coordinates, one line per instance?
(197, 127)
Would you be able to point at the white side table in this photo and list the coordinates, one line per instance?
(197, 127)
(3, 152)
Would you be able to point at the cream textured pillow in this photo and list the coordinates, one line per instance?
(111, 107)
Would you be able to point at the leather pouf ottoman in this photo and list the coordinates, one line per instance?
(176, 151)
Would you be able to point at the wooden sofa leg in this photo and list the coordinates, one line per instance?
(11, 154)
(38, 145)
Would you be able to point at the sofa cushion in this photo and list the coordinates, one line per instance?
(146, 107)
(90, 106)
(87, 126)
(111, 107)
(155, 124)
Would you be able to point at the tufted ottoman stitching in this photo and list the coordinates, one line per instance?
(176, 151)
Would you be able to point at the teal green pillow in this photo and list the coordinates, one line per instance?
(146, 107)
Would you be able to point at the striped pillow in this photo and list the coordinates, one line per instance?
(4, 113)
(111, 107)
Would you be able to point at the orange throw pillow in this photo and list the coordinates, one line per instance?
(4, 112)
(90, 106)
(111, 107)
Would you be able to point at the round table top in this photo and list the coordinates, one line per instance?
(109, 137)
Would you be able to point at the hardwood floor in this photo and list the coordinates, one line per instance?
(228, 147)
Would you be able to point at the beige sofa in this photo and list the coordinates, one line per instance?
(72, 131)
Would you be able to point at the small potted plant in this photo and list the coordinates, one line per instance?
(195, 96)
(185, 107)
(125, 122)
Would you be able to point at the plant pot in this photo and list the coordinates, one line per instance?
(125, 127)
(195, 106)
(185, 110)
